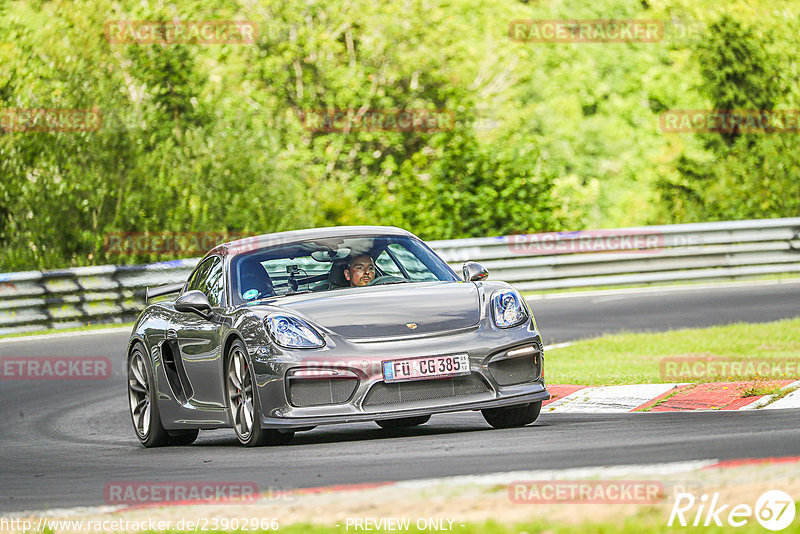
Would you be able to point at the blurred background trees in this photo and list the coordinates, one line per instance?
(210, 137)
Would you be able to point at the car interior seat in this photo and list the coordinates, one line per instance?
(252, 275)
(336, 277)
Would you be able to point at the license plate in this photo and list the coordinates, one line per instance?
(427, 367)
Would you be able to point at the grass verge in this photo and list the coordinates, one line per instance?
(759, 390)
(641, 358)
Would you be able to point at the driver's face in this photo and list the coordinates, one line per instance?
(361, 271)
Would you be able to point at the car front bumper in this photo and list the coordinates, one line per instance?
(296, 423)
(485, 347)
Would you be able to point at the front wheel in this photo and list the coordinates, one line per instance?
(243, 402)
(142, 400)
(512, 416)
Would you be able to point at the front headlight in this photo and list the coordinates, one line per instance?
(292, 333)
(507, 308)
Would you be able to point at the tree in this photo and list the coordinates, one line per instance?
(737, 174)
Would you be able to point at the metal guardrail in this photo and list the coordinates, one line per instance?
(37, 300)
(651, 254)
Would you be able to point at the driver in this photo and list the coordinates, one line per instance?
(360, 270)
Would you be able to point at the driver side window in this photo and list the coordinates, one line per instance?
(198, 274)
(208, 279)
(417, 271)
(387, 265)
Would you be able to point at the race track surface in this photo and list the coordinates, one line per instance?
(573, 315)
(63, 441)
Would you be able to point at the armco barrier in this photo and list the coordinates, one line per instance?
(651, 254)
(67, 298)
(629, 256)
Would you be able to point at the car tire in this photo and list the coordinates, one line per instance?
(403, 422)
(512, 416)
(142, 400)
(182, 437)
(243, 405)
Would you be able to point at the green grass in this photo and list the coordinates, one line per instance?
(660, 401)
(636, 358)
(757, 391)
(74, 329)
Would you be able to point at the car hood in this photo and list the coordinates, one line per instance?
(391, 310)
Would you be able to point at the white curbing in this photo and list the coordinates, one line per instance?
(792, 400)
(759, 403)
(556, 404)
(610, 399)
(626, 398)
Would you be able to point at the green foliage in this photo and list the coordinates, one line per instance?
(737, 70)
(459, 188)
(211, 137)
(208, 137)
(734, 174)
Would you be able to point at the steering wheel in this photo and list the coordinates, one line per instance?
(386, 279)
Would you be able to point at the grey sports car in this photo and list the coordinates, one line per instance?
(279, 333)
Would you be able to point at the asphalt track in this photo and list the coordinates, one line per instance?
(568, 316)
(62, 441)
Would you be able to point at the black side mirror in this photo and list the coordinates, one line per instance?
(474, 271)
(194, 301)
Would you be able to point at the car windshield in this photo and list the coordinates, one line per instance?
(332, 264)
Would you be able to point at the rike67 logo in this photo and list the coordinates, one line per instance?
(774, 510)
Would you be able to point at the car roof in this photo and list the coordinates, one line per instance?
(248, 244)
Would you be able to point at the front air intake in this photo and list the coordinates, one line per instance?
(444, 388)
(320, 388)
(517, 366)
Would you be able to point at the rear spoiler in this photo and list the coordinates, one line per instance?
(159, 291)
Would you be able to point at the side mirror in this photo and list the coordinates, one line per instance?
(474, 271)
(194, 301)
